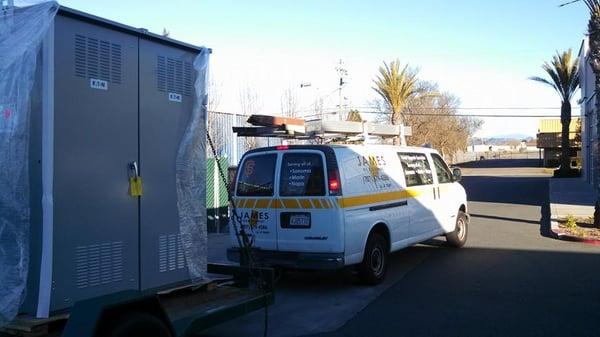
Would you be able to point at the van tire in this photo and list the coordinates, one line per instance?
(458, 237)
(137, 324)
(374, 265)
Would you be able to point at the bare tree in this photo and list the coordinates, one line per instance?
(213, 116)
(249, 105)
(289, 102)
(214, 93)
(319, 107)
(432, 116)
(354, 116)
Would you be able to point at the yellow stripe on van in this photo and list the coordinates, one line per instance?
(290, 203)
(275, 204)
(305, 203)
(262, 203)
(316, 203)
(367, 199)
(328, 203)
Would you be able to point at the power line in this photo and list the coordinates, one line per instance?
(453, 108)
(477, 108)
(455, 114)
(484, 115)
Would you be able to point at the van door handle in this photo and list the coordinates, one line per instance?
(436, 195)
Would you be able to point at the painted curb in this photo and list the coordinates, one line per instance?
(561, 235)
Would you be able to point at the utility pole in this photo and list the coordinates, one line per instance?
(342, 72)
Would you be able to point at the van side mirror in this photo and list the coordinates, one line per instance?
(456, 174)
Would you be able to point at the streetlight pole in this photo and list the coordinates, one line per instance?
(342, 72)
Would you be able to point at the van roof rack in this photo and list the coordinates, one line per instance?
(297, 128)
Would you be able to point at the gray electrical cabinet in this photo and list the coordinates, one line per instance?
(121, 99)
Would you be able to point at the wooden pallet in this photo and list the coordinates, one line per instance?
(28, 326)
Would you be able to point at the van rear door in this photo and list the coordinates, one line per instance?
(254, 193)
(308, 219)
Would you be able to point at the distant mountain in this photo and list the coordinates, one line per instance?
(502, 140)
(512, 136)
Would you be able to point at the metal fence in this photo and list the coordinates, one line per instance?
(464, 157)
(227, 144)
(229, 149)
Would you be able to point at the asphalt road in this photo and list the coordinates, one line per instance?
(511, 279)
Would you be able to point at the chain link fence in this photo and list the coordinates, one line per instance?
(463, 157)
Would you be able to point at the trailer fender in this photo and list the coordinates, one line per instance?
(89, 317)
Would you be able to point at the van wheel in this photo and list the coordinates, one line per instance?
(374, 265)
(458, 238)
(137, 324)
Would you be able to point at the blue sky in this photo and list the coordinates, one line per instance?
(481, 51)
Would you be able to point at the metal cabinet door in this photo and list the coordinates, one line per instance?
(95, 115)
(166, 102)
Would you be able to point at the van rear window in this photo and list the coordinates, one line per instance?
(302, 174)
(257, 176)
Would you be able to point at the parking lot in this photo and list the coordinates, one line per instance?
(512, 277)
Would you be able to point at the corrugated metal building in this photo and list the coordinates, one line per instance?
(549, 138)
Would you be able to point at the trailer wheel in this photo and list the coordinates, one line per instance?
(137, 324)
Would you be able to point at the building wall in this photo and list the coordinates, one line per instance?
(589, 131)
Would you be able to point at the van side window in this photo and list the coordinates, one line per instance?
(416, 169)
(302, 174)
(257, 176)
(441, 169)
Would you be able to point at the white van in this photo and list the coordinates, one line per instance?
(330, 206)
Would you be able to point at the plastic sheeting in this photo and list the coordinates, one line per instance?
(21, 33)
(191, 177)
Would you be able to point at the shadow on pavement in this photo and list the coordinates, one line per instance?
(509, 190)
(494, 217)
(489, 292)
(309, 302)
(545, 227)
(498, 163)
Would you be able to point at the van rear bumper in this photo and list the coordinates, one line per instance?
(297, 260)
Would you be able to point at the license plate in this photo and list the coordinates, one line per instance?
(299, 220)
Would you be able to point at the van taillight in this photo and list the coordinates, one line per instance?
(335, 187)
(281, 147)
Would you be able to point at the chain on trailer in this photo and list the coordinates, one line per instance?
(245, 244)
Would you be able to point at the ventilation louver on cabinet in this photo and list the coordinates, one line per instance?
(98, 59)
(99, 264)
(170, 253)
(174, 76)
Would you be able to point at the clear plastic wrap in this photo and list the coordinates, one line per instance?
(22, 30)
(191, 177)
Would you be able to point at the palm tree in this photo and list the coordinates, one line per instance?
(564, 78)
(395, 87)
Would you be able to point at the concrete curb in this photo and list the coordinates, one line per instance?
(569, 197)
(561, 235)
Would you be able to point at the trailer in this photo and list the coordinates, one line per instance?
(102, 168)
